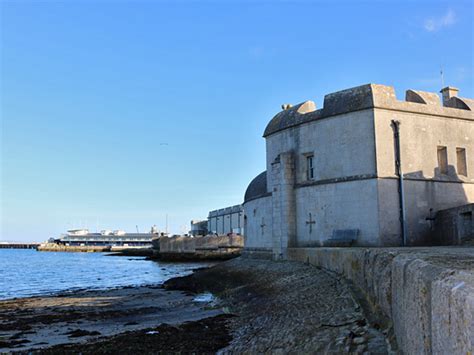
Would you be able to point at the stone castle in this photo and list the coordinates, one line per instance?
(365, 170)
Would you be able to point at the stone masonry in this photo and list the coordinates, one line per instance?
(332, 176)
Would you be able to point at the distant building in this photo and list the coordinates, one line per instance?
(198, 227)
(78, 237)
(366, 170)
(226, 220)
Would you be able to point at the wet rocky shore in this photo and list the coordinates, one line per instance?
(261, 306)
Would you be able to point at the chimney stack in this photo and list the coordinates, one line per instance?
(447, 93)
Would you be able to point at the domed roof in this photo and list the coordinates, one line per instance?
(257, 188)
(290, 116)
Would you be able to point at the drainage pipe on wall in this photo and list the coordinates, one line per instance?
(399, 172)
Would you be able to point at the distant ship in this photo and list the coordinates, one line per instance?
(82, 237)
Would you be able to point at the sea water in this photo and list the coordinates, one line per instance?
(26, 272)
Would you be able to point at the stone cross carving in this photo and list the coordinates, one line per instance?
(310, 222)
(262, 225)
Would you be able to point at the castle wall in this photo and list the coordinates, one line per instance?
(283, 204)
(354, 183)
(342, 146)
(427, 189)
(259, 213)
(423, 200)
(340, 206)
(420, 135)
(343, 149)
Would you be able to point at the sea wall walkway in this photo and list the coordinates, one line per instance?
(425, 294)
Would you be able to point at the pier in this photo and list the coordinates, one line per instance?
(19, 245)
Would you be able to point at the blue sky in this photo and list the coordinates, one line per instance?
(120, 113)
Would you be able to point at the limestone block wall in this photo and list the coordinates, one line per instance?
(345, 205)
(420, 135)
(283, 204)
(258, 225)
(390, 233)
(177, 244)
(342, 146)
(425, 294)
(423, 200)
(455, 226)
(181, 244)
(427, 189)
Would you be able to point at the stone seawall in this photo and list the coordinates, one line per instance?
(200, 248)
(425, 294)
(72, 248)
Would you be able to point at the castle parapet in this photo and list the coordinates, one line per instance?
(371, 96)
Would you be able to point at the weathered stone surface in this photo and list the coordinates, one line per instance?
(455, 226)
(366, 97)
(425, 294)
(335, 169)
(200, 247)
(73, 248)
(257, 188)
(422, 97)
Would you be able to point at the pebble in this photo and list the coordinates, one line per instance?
(358, 340)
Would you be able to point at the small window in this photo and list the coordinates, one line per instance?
(309, 167)
(461, 161)
(442, 160)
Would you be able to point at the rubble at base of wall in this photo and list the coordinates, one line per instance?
(425, 294)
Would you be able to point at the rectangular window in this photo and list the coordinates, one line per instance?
(461, 160)
(309, 167)
(442, 160)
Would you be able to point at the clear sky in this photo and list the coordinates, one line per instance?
(118, 113)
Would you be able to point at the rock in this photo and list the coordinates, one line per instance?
(359, 340)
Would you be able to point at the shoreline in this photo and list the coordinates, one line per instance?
(46, 323)
(28, 273)
(261, 306)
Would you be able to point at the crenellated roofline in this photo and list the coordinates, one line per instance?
(371, 96)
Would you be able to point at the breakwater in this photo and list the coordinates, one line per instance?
(177, 248)
(72, 248)
(19, 245)
(209, 247)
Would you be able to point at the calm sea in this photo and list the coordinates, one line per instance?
(29, 272)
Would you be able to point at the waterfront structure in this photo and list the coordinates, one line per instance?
(16, 245)
(226, 220)
(365, 170)
(82, 237)
(198, 227)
